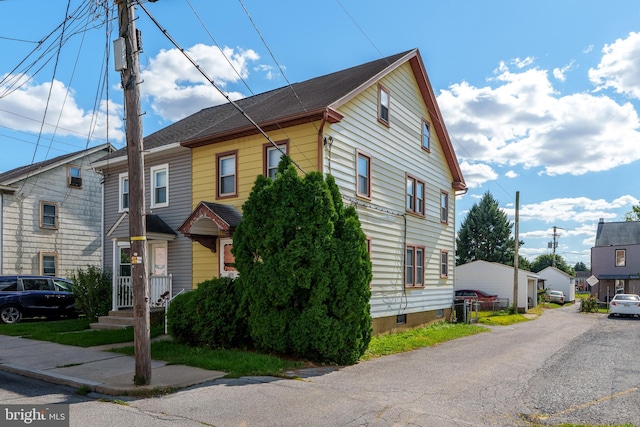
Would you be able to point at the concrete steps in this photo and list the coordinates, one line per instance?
(120, 319)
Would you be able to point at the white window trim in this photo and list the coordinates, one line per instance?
(121, 178)
(153, 172)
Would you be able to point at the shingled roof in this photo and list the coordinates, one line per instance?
(298, 103)
(618, 233)
(22, 172)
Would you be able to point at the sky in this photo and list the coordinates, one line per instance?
(541, 99)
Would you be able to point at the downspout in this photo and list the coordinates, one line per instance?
(325, 117)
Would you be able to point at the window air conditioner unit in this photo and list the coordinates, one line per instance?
(75, 181)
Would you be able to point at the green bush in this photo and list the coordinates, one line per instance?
(304, 269)
(208, 316)
(92, 291)
(589, 305)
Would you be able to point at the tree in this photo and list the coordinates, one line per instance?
(304, 268)
(92, 291)
(633, 214)
(485, 234)
(546, 260)
(580, 266)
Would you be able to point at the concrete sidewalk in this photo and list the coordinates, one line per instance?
(95, 368)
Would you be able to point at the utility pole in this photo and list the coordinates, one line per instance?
(137, 226)
(555, 244)
(515, 255)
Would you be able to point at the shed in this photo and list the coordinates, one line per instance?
(557, 280)
(497, 279)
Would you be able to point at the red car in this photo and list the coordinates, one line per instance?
(480, 296)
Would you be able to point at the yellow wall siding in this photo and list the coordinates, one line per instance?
(303, 150)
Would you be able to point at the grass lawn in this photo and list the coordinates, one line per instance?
(238, 363)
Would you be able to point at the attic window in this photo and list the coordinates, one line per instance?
(74, 176)
(384, 105)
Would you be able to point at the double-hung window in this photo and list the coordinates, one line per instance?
(48, 215)
(414, 266)
(426, 135)
(74, 176)
(227, 177)
(160, 186)
(444, 207)
(124, 193)
(363, 179)
(384, 105)
(444, 264)
(272, 157)
(48, 264)
(415, 195)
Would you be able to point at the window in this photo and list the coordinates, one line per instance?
(444, 264)
(48, 215)
(227, 174)
(125, 262)
(363, 186)
(444, 207)
(124, 193)
(425, 135)
(384, 105)
(8, 284)
(48, 264)
(272, 156)
(160, 186)
(401, 319)
(415, 195)
(414, 266)
(621, 255)
(74, 176)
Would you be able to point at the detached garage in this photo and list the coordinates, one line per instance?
(497, 279)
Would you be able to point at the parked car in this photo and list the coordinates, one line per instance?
(35, 296)
(555, 296)
(480, 296)
(624, 305)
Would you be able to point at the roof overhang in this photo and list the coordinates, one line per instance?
(208, 222)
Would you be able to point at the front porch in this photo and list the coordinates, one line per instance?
(160, 291)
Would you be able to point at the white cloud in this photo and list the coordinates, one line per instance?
(511, 174)
(23, 109)
(475, 174)
(619, 67)
(522, 120)
(559, 73)
(577, 209)
(176, 89)
(521, 63)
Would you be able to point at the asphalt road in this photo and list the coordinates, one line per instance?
(564, 367)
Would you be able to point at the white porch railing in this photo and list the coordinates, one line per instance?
(159, 291)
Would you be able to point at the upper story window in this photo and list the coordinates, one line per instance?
(363, 179)
(271, 158)
(621, 257)
(49, 264)
(123, 193)
(74, 176)
(415, 195)
(426, 135)
(444, 207)
(160, 186)
(384, 105)
(227, 177)
(444, 264)
(414, 266)
(48, 215)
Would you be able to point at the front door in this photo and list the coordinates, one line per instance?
(226, 258)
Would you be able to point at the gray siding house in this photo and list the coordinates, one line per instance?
(50, 215)
(615, 259)
(167, 203)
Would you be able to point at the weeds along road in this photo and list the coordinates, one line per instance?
(564, 367)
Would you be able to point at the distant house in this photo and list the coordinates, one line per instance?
(498, 279)
(557, 280)
(51, 215)
(375, 127)
(615, 259)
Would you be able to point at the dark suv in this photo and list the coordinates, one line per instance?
(35, 296)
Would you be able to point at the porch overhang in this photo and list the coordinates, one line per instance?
(618, 276)
(156, 228)
(209, 221)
